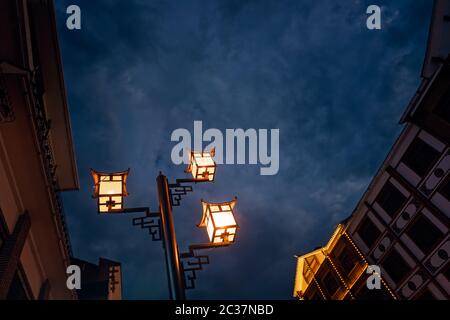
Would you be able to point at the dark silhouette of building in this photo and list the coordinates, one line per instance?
(401, 224)
(100, 282)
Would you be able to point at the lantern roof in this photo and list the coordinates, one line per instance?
(97, 174)
(205, 206)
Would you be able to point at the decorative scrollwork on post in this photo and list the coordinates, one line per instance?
(176, 192)
(190, 266)
(153, 224)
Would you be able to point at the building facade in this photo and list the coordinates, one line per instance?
(37, 164)
(401, 224)
(37, 158)
(100, 282)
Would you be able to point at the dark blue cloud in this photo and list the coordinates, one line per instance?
(140, 69)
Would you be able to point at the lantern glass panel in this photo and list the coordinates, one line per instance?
(109, 190)
(107, 203)
(220, 238)
(108, 186)
(231, 230)
(203, 160)
(219, 221)
(214, 207)
(209, 227)
(202, 165)
(194, 169)
(223, 219)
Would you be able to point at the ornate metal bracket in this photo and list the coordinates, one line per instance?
(193, 262)
(150, 222)
(177, 191)
(190, 266)
(180, 190)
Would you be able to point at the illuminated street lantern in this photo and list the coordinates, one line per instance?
(202, 165)
(219, 221)
(109, 190)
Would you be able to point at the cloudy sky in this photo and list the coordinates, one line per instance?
(137, 70)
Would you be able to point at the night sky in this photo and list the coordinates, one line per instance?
(137, 70)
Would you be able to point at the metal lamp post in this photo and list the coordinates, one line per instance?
(218, 219)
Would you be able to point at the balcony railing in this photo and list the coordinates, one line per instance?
(43, 126)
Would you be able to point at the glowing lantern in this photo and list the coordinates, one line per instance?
(109, 190)
(202, 165)
(219, 221)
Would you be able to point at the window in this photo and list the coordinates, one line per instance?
(443, 109)
(19, 288)
(424, 233)
(330, 283)
(425, 295)
(347, 260)
(420, 157)
(316, 296)
(391, 199)
(368, 232)
(444, 189)
(312, 292)
(396, 266)
(374, 294)
(447, 272)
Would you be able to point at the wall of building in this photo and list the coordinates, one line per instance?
(29, 180)
(402, 222)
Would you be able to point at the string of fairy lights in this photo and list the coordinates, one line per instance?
(367, 264)
(341, 278)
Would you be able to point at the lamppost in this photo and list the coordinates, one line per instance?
(217, 218)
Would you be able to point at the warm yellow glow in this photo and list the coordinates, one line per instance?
(109, 189)
(210, 228)
(204, 159)
(202, 165)
(223, 219)
(108, 203)
(311, 264)
(219, 221)
(224, 235)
